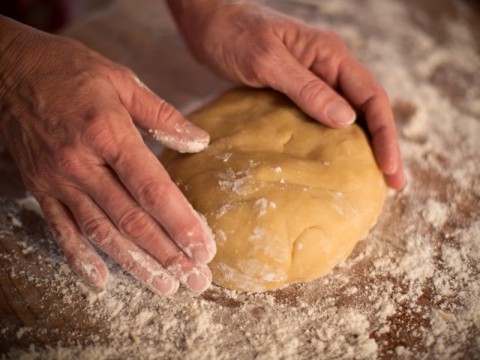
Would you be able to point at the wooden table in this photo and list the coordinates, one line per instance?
(409, 290)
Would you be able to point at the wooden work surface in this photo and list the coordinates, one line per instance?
(410, 290)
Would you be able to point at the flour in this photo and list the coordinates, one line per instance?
(435, 213)
(31, 204)
(224, 156)
(178, 141)
(235, 182)
(262, 205)
(15, 222)
(410, 290)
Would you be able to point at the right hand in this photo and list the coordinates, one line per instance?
(68, 116)
(256, 46)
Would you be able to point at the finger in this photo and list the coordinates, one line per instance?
(321, 102)
(364, 92)
(396, 180)
(144, 231)
(157, 117)
(328, 58)
(103, 234)
(82, 259)
(308, 91)
(151, 187)
(147, 182)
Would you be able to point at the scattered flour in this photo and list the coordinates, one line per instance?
(409, 291)
(435, 213)
(236, 182)
(31, 204)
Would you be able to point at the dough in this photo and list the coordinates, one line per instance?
(286, 197)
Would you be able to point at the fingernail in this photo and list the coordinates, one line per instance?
(203, 254)
(165, 286)
(190, 130)
(391, 168)
(198, 282)
(340, 113)
(91, 273)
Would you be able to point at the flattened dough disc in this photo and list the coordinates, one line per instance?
(286, 197)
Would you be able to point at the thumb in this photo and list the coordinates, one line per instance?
(314, 96)
(159, 118)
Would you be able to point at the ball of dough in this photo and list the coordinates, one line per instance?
(286, 197)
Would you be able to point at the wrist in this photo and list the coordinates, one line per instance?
(190, 12)
(11, 35)
(184, 10)
(198, 19)
(16, 43)
(18, 48)
(8, 33)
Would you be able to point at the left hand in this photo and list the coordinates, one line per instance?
(69, 117)
(258, 47)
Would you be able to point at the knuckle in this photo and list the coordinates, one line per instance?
(136, 224)
(68, 161)
(70, 255)
(184, 233)
(95, 130)
(61, 235)
(165, 112)
(264, 58)
(312, 91)
(153, 195)
(332, 36)
(65, 239)
(332, 45)
(125, 71)
(173, 261)
(382, 93)
(378, 95)
(97, 133)
(98, 231)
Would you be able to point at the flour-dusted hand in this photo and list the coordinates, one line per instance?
(256, 46)
(69, 117)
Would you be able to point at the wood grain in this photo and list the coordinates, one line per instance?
(38, 307)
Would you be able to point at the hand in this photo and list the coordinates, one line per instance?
(256, 46)
(68, 117)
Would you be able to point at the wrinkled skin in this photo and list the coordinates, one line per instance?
(258, 47)
(69, 118)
